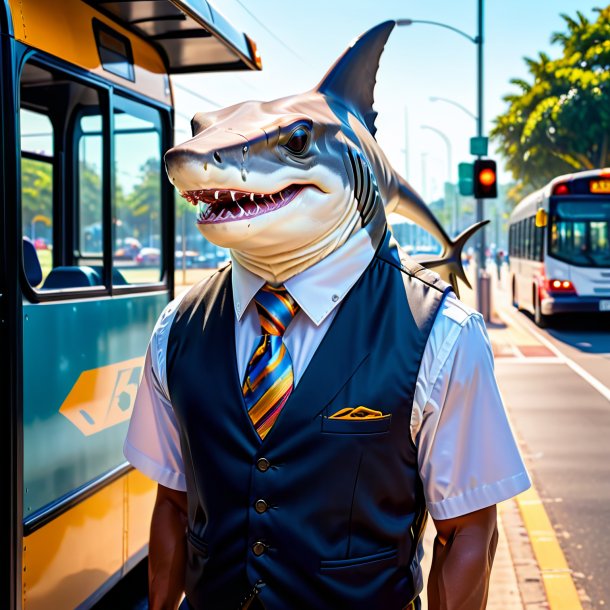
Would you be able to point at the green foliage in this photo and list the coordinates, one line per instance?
(560, 121)
(36, 191)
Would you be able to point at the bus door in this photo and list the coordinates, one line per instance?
(94, 218)
(10, 322)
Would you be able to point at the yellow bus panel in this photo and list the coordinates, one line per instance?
(71, 557)
(65, 30)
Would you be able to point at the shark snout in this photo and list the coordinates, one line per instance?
(221, 158)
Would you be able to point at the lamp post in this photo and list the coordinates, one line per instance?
(483, 301)
(447, 142)
(454, 103)
(406, 144)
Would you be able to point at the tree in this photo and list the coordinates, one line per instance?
(36, 191)
(560, 122)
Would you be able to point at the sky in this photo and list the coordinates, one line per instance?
(299, 41)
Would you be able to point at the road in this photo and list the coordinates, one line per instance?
(556, 385)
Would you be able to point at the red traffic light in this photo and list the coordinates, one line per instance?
(485, 179)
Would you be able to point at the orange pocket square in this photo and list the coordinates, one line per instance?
(357, 413)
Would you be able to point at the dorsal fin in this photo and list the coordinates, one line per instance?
(351, 79)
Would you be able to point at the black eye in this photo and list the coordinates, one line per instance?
(298, 141)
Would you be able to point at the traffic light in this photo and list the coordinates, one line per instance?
(485, 179)
(465, 179)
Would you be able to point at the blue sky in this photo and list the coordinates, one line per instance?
(299, 41)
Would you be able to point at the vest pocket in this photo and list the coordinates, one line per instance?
(377, 425)
(374, 560)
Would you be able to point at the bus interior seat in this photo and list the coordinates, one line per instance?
(72, 277)
(118, 279)
(31, 263)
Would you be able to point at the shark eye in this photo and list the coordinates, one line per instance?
(298, 141)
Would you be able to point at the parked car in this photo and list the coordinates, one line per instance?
(148, 257)
(190, 257)
(127, 249)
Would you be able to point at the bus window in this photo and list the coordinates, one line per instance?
(527, 240)
(90, 194)
(137, 188)
(538, 241)
(580, 233)
(49, 101)
(37, 191)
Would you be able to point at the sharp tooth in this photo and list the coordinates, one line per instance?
(281, 196)
(272, 199)
(251, 196)
(232, 195)
(216, 195)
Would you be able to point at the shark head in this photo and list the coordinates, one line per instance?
(286, 182)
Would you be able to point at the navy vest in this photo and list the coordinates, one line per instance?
(323, 514)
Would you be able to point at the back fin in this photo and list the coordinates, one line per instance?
(351, 79)
(449, 265)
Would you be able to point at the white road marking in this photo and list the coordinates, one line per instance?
(593, 381)
(526, 360)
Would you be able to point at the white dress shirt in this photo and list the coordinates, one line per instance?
(467, 455)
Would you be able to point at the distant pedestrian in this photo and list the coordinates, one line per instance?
(499, 262)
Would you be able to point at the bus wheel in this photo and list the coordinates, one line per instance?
(540, 319)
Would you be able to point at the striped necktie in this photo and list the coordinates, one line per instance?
(269, 378)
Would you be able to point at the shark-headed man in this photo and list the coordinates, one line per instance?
(305, 408)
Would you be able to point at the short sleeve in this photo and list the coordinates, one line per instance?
(152, 444)
(468, 456)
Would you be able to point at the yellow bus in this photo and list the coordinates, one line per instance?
(87, 112)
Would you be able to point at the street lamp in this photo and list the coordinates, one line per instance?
(453, 203)
(454, 103)
(447, 144)
(483, 300)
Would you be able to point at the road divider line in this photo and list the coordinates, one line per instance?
(559, 586)
(579, 370)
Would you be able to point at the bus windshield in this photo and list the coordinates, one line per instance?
(580, 232)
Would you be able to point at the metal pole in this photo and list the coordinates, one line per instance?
(183, 247)
(406, 144)
(483, 304)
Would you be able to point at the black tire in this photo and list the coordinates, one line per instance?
(540, 319)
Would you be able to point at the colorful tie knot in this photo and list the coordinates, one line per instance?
(276, 309)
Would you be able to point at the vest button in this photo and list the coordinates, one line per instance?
(258, 548)
(260, 506)
(263, 464)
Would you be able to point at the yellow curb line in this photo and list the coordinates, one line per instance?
(556, 574)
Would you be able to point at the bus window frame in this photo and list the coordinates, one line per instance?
(65, 176)
(137, 109)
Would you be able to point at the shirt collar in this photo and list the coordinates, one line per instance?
(318, 289)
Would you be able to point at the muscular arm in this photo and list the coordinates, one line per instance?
(464, 550)
(167, 549)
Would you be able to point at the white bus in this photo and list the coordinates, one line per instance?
(559, 247)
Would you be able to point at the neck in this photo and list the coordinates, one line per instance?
(276, 268)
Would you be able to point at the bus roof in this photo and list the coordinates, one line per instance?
(190, 34)
(533, 201)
